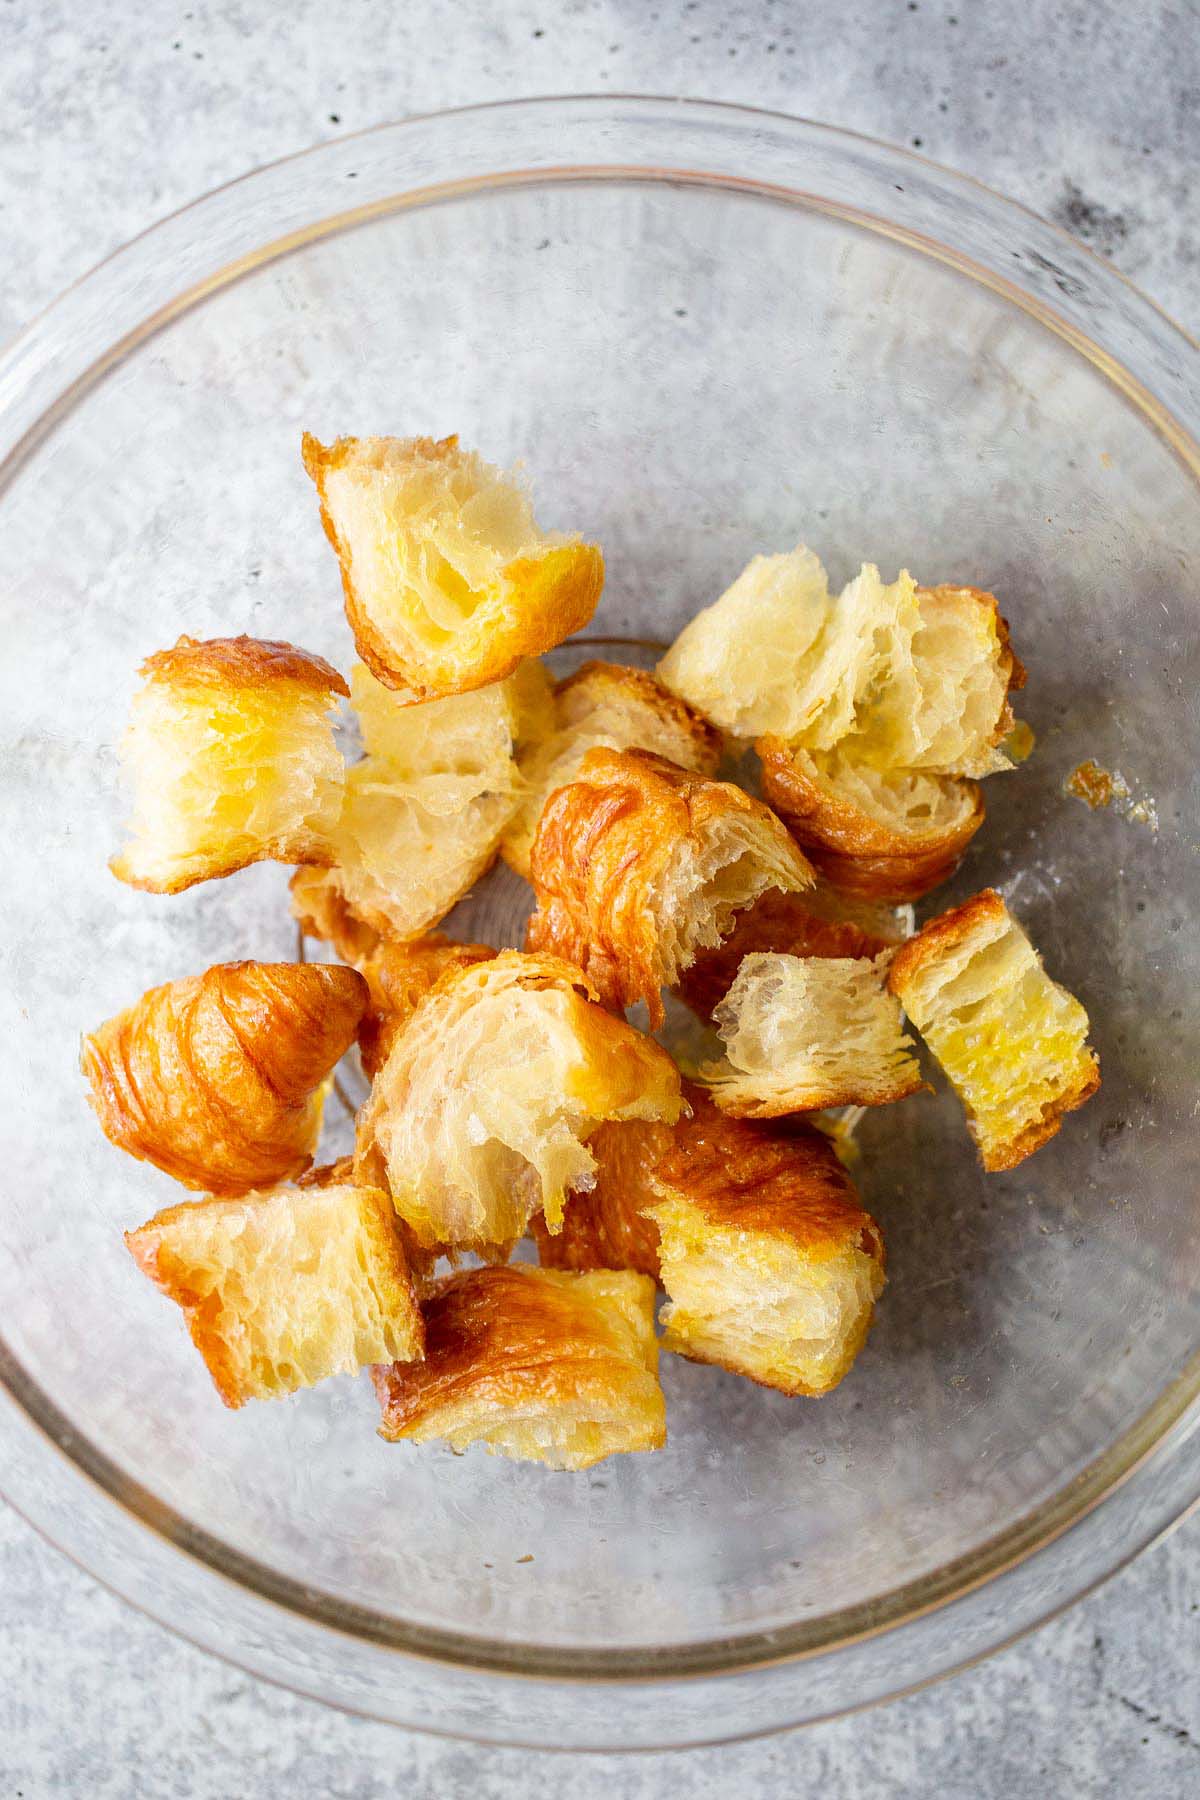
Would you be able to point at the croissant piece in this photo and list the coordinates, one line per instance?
(898, 676)
(537, 1365)
(777, 922)
(803, 1033)
(448, 580)
(215, 1079)
(398, 977)
(878, 835)
(1012, 1041)
(876, 918)
(771, 1266)
(480, 1115)
(422, 813)
(231, 756)
(284, 1288)
(604, 706)
(639, 865)
(605, 1226)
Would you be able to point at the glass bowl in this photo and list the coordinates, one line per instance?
(708, 332)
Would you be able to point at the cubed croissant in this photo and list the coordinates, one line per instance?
(639, 865)
(804, 1033)
(605, 1226)
(784, 923)
(422, 812)
(537, 1365)
(899, 676)
(771, 1266)
(398, 977)
(215, 1079)
(448, 580)
(604, 705)
(480, 1115)
(1012, 1041)
(231, 756)
(284, 1288)
(878, 835)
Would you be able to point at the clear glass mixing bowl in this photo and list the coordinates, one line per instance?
(708, 332)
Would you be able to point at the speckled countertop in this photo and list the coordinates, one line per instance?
(1089, 111)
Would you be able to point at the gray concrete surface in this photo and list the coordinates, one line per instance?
(113, 114)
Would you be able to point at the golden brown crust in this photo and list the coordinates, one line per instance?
(553, 594)
(242, 662)
(563, 1350)
(604, 1227)
(781, 1179)
(776, 922)
(853, 851)
(610, 878)
(268, 1305)
(674, 715)
(213, 1078)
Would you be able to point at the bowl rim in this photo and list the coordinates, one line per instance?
(1165, 1430)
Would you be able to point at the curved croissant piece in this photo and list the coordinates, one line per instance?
(284, 1288)
(231, 755)
(543, 1367)
(605, 1226)
(770, 1264)
(1012, 1041)
(479, 1116)
(777, 922)
(882, 836)
(448, 580)
(604, 706)
(805, 1033)
(639, 865)
(214, 1078)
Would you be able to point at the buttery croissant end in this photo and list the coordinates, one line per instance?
(479, 1116)
(874, 834)
(231, 756)
(771, 1266)
(448, 580)
(778, 922)
(639, 865)
(605, 1226)
(284, 1288)
(901, 677)
(1011, 1040)
(422, 813)
(802, 1033)
(540, 1366)
(215, 1078)
(604, 706)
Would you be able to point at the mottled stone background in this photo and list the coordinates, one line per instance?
(113, 114)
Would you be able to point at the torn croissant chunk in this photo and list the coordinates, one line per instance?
(785, 923)
(1012, 1041)
(283, 1288)
(639, 865)
(604, 706)
(899, 676)
(537, 1365)
(804, 1033)
(215, 1079)
(231, 757)
(876, 834)
(448, 580)
(770, 1264)
(481, 1112)
(422, 811)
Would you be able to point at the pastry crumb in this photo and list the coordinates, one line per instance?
(1099, 787)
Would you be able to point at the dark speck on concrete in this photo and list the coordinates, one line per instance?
(1088, 219)
(335, 118)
